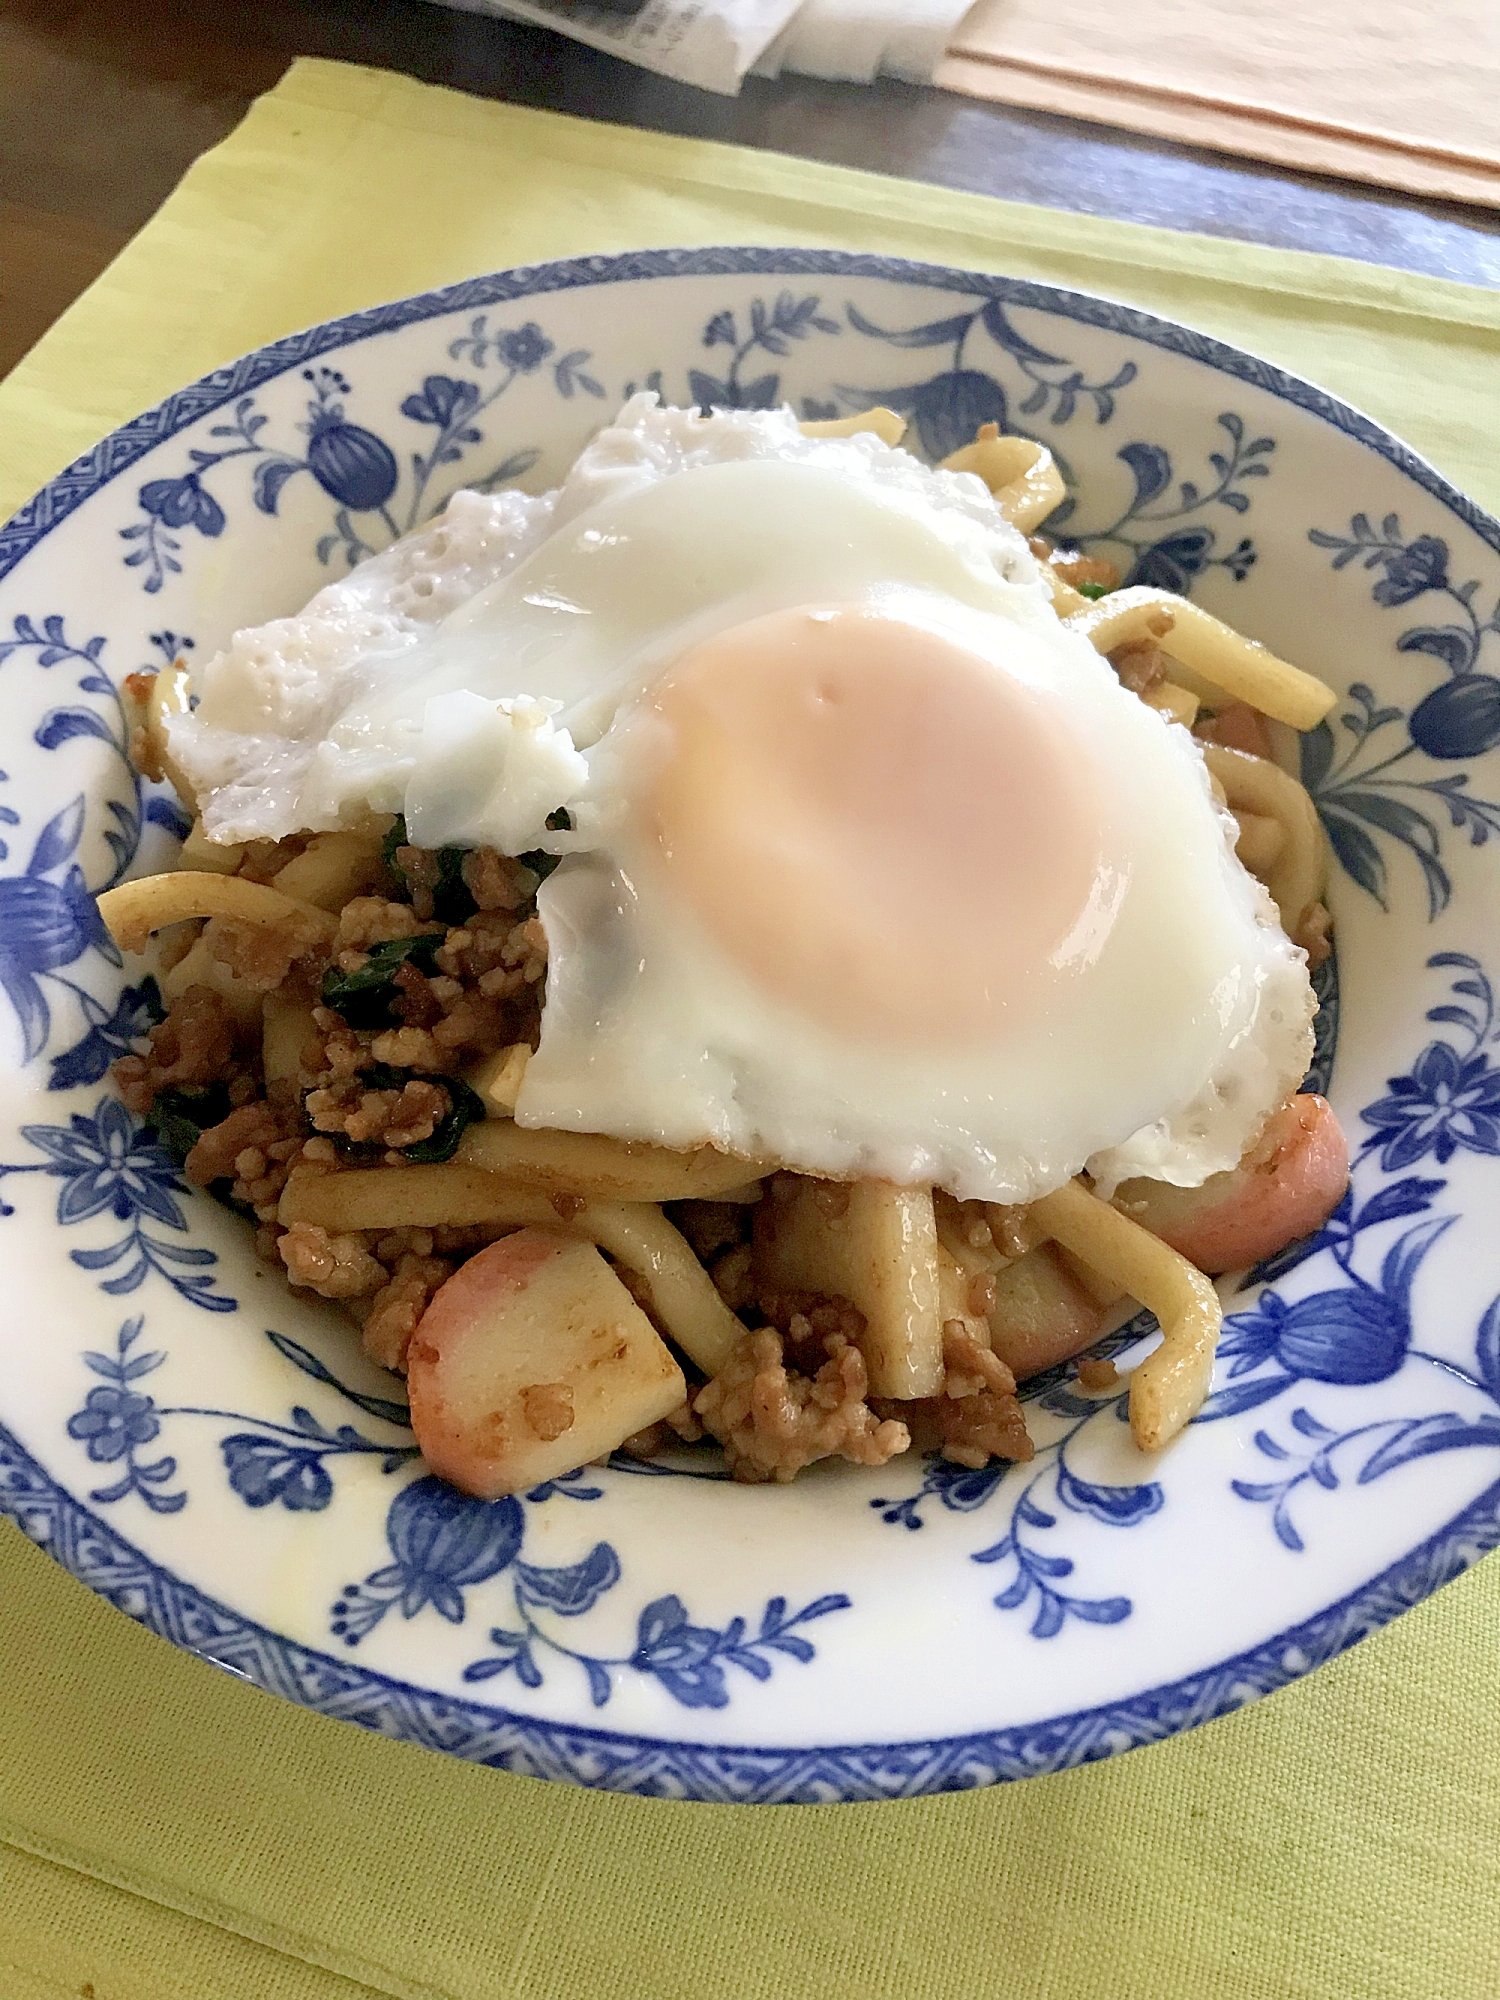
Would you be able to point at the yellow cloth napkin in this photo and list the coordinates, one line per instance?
(171, 1835)
(1400, 92)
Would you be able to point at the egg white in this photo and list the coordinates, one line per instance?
(498, 665)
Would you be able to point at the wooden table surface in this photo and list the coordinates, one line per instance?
(104, 104)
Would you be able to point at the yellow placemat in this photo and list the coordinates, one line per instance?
(172, 1835)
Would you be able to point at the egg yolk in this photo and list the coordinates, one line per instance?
(880, 828)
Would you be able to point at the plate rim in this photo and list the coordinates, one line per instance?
(92, 1551)
(96, 1554)
(114, 454)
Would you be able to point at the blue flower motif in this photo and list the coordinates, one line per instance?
(1361, 801)
(710, 392)
(276, 1463)
(137, 1010)
(688, 1661)
(948, 410)
(46, 924)
(108, 1162)
(1421, 565)
(1350, 1337)
(183, 503)
(442, 400)
(114, 1422)
(353, 465)
(443, 1542)
(680, 1655)
(720, 331)
(525, 349)
(43, 927)
(263, 1470)
(1459, 719)
(1446, 1103)
(1173, 562)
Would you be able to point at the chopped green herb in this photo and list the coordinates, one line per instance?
(1093, 590)
(367, 998)
(181, 1117)
(465, 1108)
(395, 838)
(451, 901)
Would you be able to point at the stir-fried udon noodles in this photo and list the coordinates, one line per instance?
(351, 1018)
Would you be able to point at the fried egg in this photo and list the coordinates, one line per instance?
(872, 867)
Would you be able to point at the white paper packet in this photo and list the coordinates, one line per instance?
(854, 41)
(711, 43)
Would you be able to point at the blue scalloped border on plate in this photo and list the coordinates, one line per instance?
(715, 1773)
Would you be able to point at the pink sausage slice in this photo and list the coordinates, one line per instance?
(1285, 1187)
(532, 1359)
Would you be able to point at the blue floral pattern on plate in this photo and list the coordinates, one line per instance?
(442, 1543)
(111, 1164)
(1359, 1370)
(1357, 796)
(352, 464)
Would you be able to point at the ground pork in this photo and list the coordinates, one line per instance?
(255, 1148)
(773, 1421)
(145, 750)
(548, 1409)
(969, 1367)
(260, 954)
(1074, 567)
(1141, 666)
(333, 1266)
(679, 1426)
(974, 1429)
(421, 870)
(393, 1118)
(807, 1320)
(496, 882)
(191, 1048)
(966, 1221)
(1096, 1376)
(484, 994)
(733, 1277)
(497, 951)
(1012, 1230)
(390, 1322)
(473, 1027)
(977, 1417)
(367, 920)
(333, 1054)
(1312, 934)
(711, 1226)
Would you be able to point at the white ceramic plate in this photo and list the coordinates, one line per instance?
(216, 1457)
